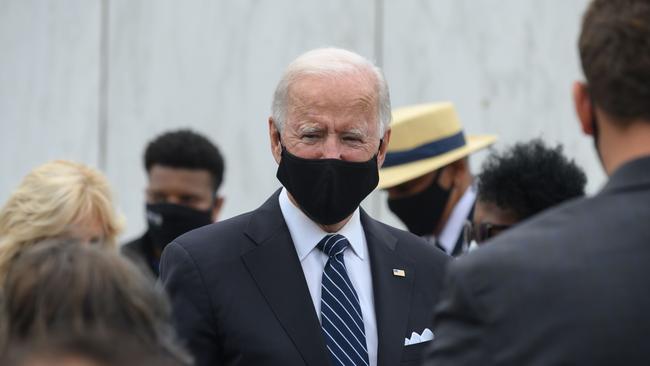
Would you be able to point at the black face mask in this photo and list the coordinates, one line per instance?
(422, 211)
(327, 190)
(167, 221)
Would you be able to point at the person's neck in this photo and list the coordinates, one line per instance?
(327, 228)
(335, 227)
(620, 145)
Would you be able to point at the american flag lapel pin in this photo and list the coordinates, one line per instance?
(399, 272)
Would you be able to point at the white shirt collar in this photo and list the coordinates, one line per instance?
(453, 228)
(306, 234)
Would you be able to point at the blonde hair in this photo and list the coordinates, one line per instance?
(50, 200)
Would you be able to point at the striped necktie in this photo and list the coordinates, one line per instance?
(341, 317)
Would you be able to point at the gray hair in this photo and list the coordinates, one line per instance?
(331, 62)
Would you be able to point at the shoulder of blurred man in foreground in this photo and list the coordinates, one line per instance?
(569, 286)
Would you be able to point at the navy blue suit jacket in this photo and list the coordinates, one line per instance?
(240, 297)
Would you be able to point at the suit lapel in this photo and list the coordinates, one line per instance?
(392, 293)
(275, 267)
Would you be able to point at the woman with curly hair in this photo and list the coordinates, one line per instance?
(519, 183)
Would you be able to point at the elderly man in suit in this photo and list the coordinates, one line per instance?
(309, 278)
(570, 287)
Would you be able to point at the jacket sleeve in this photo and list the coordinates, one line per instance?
(459, 325)
(192, 312)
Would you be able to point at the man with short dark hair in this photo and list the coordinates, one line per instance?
(184, 173)
(570, 287)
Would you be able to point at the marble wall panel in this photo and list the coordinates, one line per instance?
(49, 74)
(212, 66)
(507, 65)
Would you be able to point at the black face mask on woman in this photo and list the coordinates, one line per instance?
(167, 221)
(422, 211)
(327, 190)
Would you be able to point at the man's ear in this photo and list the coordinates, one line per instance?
(584, 107)
(216, 207)
(381, 155)
(276, 146)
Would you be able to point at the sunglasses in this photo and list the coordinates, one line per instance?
(480, 232)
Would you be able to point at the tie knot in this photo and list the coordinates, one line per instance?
(333, 244)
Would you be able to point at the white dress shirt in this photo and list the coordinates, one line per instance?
(306, 234)
(454, 226)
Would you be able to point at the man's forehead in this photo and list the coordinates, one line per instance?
(353, 118)
(352, 90)
(306, 106)
(161, 175)
(336, 101)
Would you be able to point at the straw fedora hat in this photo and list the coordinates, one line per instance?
(424, 138)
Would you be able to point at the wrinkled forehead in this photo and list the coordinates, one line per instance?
(172, 179)
(341, 94)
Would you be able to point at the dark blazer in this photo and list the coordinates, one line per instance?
(240, 297)
(140, 252)
(570, 287)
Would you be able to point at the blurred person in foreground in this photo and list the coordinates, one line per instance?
(427, 175)
(184, 173)
(58, 199)
(570, 287)
(86, 350)
(80, 302)
(309, 278)
(522, 181)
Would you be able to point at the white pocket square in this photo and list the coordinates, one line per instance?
(427, 335)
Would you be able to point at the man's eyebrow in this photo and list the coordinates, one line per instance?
(309, 127)
(355, 131)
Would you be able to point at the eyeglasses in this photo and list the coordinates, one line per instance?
(480, 232)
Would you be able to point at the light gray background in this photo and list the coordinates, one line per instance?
(95, 80)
